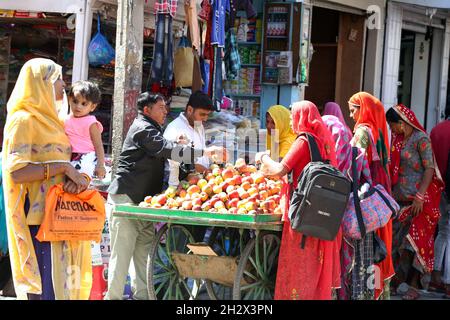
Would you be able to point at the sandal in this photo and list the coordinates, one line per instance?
(436, 287)
(411, 294)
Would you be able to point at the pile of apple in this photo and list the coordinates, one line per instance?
(238, 189)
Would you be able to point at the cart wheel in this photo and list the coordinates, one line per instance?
(225, 242)
(163, 279)
(257, 269)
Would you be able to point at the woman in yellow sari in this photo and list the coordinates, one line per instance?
(280, 136)
(36, 155)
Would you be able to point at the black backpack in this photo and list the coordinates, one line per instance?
(317, 205)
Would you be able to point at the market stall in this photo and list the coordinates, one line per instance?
(238, 256)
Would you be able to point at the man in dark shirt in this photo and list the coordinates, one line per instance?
(140, 173)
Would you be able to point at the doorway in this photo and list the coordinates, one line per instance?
(336, 67)
(413, 75)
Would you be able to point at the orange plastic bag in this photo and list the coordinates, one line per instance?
(78, 217)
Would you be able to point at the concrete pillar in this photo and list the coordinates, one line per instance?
(444, 72)
(128, 70)
(392, 54)
(82, 40)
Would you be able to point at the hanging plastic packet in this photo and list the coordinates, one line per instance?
(100, 52)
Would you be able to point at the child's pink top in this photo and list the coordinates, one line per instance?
(77, 129)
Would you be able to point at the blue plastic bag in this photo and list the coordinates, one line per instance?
(100, 52)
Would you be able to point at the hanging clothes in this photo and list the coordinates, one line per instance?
(220, 7)
(232, 57)
(162, 65)
(166, 7)
(191, 18)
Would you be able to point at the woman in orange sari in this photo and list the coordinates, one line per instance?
(371, 130)
(313, 272)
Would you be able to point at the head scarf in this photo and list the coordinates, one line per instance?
(410, 118)
(286, 137)
(306, 119)
(372, 115)
(333, 109)
(342, 136)
(33, 134)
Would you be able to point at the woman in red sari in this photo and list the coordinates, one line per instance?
(313, 272)
(371, 134)
(417, 187)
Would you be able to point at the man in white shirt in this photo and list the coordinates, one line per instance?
(190, 124)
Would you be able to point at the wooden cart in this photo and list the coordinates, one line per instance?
(245, 265)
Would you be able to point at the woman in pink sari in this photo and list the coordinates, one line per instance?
(313, 272)
(333, 109)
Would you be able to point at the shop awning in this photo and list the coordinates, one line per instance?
(438, 4)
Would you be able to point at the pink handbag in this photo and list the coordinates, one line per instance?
(369, 211)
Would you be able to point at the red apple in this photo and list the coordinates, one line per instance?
(202, 182)
(214, 200)
(242, 193)
(242, 211)
(161, 199)
(197, 202)
(227, 174)
(263, 195)
(248, 179)
(182, 193)
(217, 172)
(230, 189)
(193, 179)
(193, 189)
(204, 196)
(237, 180)
(223, 196)
(209, 177)
(230, 181)
(197, 208)
(187, 205)
(208, 189)
(148, 199)
(258, 178)
(206, 206)
(274, 191)
(233, 194)
(233, 203)
(224, 186)
(246, 185)
(217, 189)
(233, 210)
(219, 205)
(218, 180)
(252, 191)
(249, 206)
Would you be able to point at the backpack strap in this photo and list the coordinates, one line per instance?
(362, 227)
(313, 148)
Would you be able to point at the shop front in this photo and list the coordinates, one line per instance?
(416, 64)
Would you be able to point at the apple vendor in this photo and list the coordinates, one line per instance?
(190, 124)
(140, 173)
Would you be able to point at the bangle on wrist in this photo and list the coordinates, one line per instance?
(46, 167)
(86, 177)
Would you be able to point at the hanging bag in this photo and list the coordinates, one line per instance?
(77, 217)
(100, 52)
(183, 65)
(369, 211)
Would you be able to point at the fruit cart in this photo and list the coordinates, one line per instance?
(241, 265)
